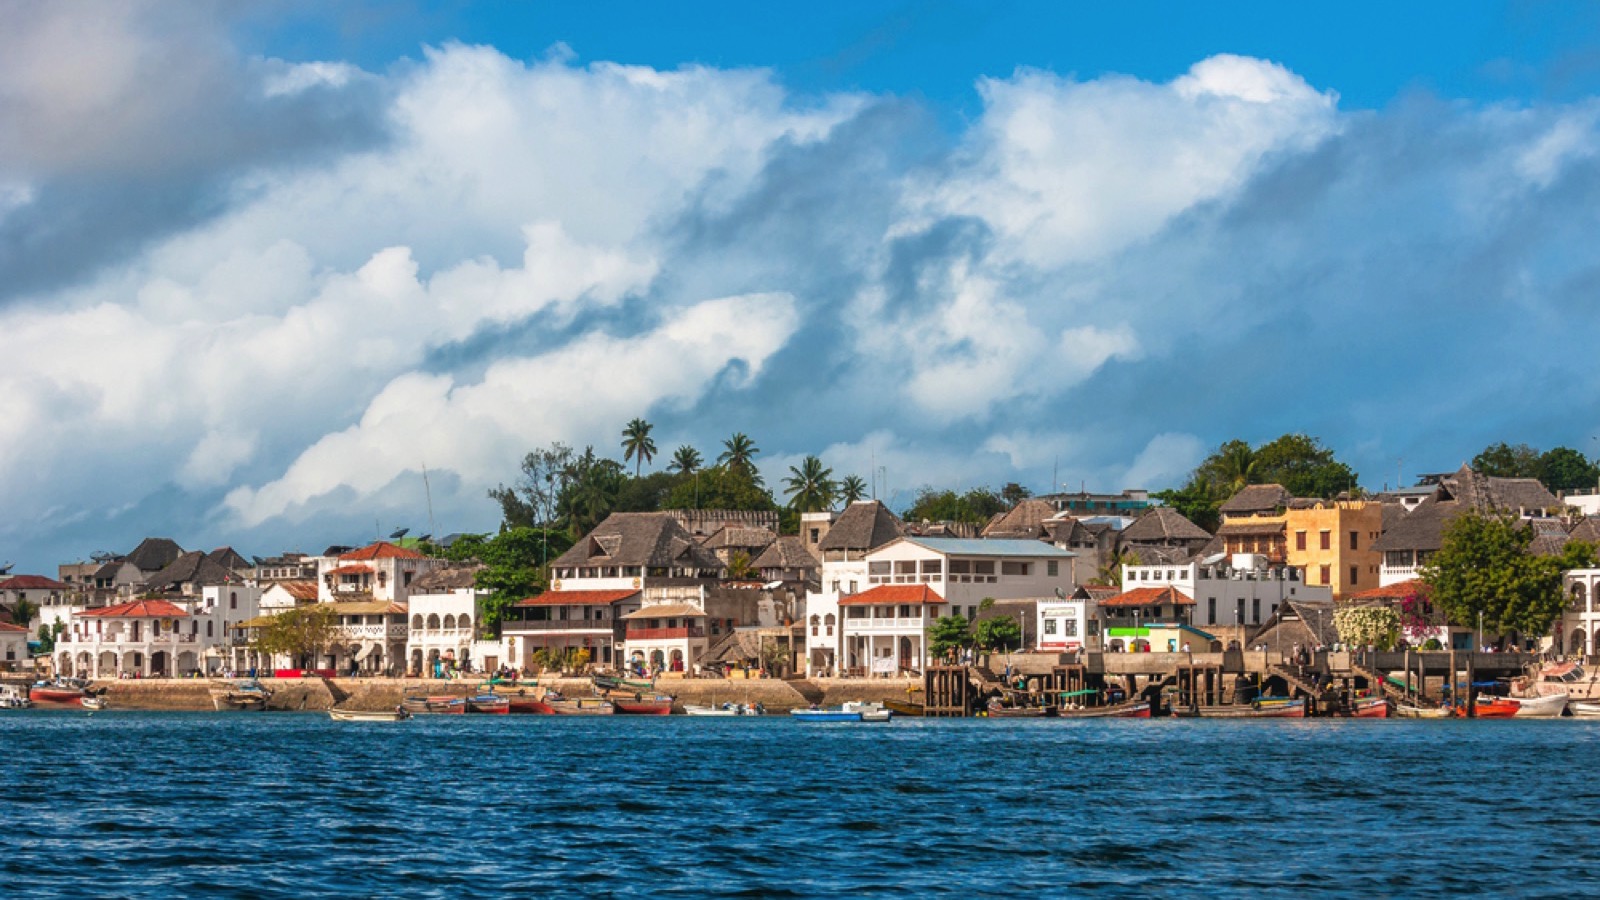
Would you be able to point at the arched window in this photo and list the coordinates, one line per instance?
(1579, 596)
(450, 622)
(464, 623)
(433, 620)
(233, 599)
(416, 622)
(816, 620)
(827, 621)
(209, 623)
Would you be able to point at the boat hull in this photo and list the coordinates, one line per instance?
(1549, 706)
(489, 704)
(1585, 709)
(904, 708)
(1493, 708)
(824, 715)
(434, 706)
(582, 707)
(1370, 708)
(530, 706)
(354, 715)
(1289, 709)
(1421, 712)
(235, 703)
(1139, 710)
(659, 706)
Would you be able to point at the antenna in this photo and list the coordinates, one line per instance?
(426, 489)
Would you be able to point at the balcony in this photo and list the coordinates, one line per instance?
(885, 626)
(373, 632)
(662, 634)
(574, 626)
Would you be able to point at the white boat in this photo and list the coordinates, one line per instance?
(12, 697)
(1546, 707)
(726, 709)
(870, 712)
(1585, 709)
(93, 703)
(1408, 711)
(358, 715)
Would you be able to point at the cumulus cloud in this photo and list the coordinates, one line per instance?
(268, 334)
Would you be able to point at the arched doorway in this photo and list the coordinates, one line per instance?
(85, 664)
(908, 658)
(187, 662)
(658, 660)
(416, 662)
(64, 666)
(106, 665)
(160, 664)
(1578, 642)
(375, 660)
(677, 660)
(435, 664)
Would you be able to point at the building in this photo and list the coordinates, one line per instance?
(1072, 623)
(1127, 619)
(1577, 632)
(1407, 544)
(1162, 532)
(1128, 503)
(146, 638)
(50, 597)
(445, 623)
(13, 647)
(378, 571)
(842, 544)
(1243, 590)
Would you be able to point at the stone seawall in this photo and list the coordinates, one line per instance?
(317, 694)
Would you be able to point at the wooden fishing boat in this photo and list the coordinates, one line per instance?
(997, 710)
(1264, 708)
(12, 697)
(1369, 708)
(359, 715)
(1412, 711)
(434, 706)
(59, 693)
(94, 703)
(833, 714)
(240, 696)
(491, 704)
(1137, 710)
(904, 708)
(524, 704)
(1549, 706)
(582, 706)
(659, 705)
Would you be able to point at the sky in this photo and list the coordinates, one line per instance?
(280, 276)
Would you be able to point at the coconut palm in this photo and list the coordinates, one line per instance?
(1236, 465)
(738, 452)
(637, 445)
(685, 460)
(852, 488)
(810, 486)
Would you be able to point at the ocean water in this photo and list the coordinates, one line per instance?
(127, 804)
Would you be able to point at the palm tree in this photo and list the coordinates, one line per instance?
(810, 486)
(738, 453)
(1236, 465)
(637, 445)
(852, 488)
(685, 460)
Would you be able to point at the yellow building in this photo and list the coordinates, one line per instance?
(1331, 542)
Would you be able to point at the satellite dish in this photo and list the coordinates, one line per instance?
(1060, 594)
(6, 569)
(398, 533)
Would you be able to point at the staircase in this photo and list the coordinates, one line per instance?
(1295, 681)
(1390, 689)
(813, 695)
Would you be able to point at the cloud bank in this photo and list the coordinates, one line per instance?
(248, 300)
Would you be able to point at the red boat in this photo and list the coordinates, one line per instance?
(59, 693)
(492, 704)
(644, 706)
(1369, 708)
(528, 705)
(1491, 708)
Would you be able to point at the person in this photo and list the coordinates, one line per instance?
(1186, 646)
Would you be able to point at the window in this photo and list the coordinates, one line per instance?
(1255, 609)
(1355, 540)
(816, 535)
(1052, 568)
(816, 621)
(1050, 626)
(1299, 540)
(1211, 610)
(209, 623)
(878, 571)
(233, 599)
(827, 622)
(983, 567)
(1014, 568)
(932, 566)
(1238, 611)
(1327, 540)
(1327, 574)
(1355, 573)
(1069, 627)
(960, 567)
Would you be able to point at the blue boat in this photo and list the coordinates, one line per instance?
(825, 715)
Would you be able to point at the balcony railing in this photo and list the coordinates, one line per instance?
(863, 626)
(657, 634)
(590, 626)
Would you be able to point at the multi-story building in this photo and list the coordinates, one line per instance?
(1408, 543)
(445, 622)
(1241, 590)
(842, 544)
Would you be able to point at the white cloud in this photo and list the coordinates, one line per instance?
(1166, 460)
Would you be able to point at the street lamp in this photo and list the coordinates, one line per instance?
(1480, 629)
(1133, 645)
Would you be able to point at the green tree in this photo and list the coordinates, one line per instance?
(721, 487)
(47, 639)
(739, 566)
(590, 491)
(1303, 466)
(1199, 501)
(975, 507)
(997, 633)
(22, 611)
(1012, 494)
(1232, 467)
(1484, 566)
(852, 488)
(1505, 461)
(648, 493)
(947, 633)
(299, 633)
(738, 453)
(534, 498)
(1565, 469)
(685, 460)
(1111, 573)
(515, 567)
(637, 444)
(810, 486)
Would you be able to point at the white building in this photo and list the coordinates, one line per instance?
(842, 544)
(1072, 622)
(159, 638)
(1241, 590)
(1578, 632)
(13, 647)
(444, 622)
(378, 571)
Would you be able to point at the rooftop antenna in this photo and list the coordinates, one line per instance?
(428, 491)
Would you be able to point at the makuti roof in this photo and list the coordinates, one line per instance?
(864, 525)
(650, 540)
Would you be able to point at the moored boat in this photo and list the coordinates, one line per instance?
(870, 712)
(1585, 709)
(492, 704)
(525, 704)
(1413, 711)
(1490, 708)
(998, 710)
(418, 705)
(1264, 708)
(59, 692)
(726, 709)
(904, 708)
(94, 703)
(832, 714)
(1548, 706)
(12, 697)
(361, 715)
(659, 705)
(1137, 710)
(240, 696)
(582, 706)
(1369, 708)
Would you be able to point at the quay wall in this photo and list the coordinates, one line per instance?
(316, 694)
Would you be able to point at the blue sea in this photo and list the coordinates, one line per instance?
(128, 804)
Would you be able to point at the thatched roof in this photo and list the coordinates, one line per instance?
(1163, 525)
(154, 554)
(449, 578)
(1257, 499)
(864, 525)
(787, 552)
(1303, 622)
(652, 540)
(1025, 520)
(1423, 528)
(193, 567)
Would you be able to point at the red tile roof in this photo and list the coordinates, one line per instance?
(7, 626)
(31, 583)
(893, 593)
(1149, 596)
(382, 550)
(347, 570)
(1398, 591)
(145, 609)
(578, 598)
(299, 589)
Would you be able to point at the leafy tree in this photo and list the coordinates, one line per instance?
(721, 487)
(1232, 467)
(1505, 461)
(1303, 466)
(1565, 469)
(1199, 501)
(300, 632)
(47, 638)
(23, 611)
(590, 492)
(1483, 566)
(1111, 573)
(637, 444)
(534, 499)
(975, 507)
(739, 566)
(947, 633)
(852, 488)
(810, 486)
(646, 494)
(1012, 493)
(685, 460)
(515, 567)
(997, 633)
(739, 453)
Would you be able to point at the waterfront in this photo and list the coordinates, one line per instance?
(278, 805)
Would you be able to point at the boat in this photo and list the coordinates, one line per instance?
(440, 705)
(658, 705)
(1491, 708)
(12, 697)
(492, 704)
(1262, 708)
(94, 703)
(825, 714)
(904, 708)
(59, 692)
(1413, 711)
(1136, 710)
(1568, 678)
(1369, 708)
(360, 715)
(611, 683)
(870, 712)
(240, 696)
(1584, 709)
(726, 709)
(1549, 706)
(581, 706)
(998, 710)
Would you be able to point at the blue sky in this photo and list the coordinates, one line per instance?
(261, 265)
